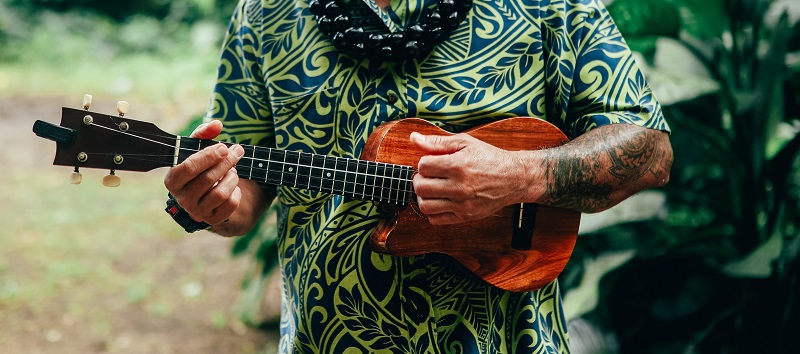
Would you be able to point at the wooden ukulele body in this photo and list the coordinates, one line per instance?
(483, 246)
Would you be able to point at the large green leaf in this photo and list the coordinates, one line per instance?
(583, 299)
(703, 18)
(645, 18)
(758, 264)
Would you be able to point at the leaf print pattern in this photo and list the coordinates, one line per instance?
(282, 84)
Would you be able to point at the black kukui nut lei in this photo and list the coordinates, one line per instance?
(415, 41)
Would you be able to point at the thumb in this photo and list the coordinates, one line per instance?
(437, 144)
(208, 130)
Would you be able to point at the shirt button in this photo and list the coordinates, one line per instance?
(392, 98)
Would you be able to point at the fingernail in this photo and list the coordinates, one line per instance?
(237, 150)
(222, 150)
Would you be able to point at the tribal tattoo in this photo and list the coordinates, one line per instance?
(600, 169)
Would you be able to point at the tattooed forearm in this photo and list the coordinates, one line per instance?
(605, 166)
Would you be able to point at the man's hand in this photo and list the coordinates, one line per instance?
(463, 179)
(206, 183)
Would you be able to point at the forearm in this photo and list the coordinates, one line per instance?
(599, 169)
(254, 202)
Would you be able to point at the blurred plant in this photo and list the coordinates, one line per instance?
(720, 272)
(43, 31)
(174, 10)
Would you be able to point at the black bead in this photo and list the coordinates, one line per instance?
(374, 40)
(360, 49)
(315, 7)
(436, 34)
(394, 38)
(415, 31)
(464, 5)
(333, 8)
(433, 18)
(446, 6)
(412, 49)
(387, 51)
(325, 24)
(342, 21)
(339, 40)
(452, 21)
(354, 33)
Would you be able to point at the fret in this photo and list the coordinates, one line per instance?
(268, 173)
(252, 160)
(390, 174)
(340, 171)
(289, 170)
(244, 167)
(259, 172)
(370, 178)
(303, 178)
(350, 176)
(322, 173)
(381, 173)
(362, 175)
(316, 172)
(406, 184)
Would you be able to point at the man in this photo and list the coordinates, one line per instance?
(319, 78)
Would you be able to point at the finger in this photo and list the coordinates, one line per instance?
(224, 211)
(203, 182)
(438, 144)
(208, 130)
(437, 188)
(179, 176)
(446, 166)
(443, 219)
(221, 192)
(434, 206)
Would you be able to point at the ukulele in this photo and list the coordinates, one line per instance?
(521, 247)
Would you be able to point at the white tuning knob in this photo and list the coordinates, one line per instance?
(87, 101)
(75, 177)
(122, 107)
(111, 180)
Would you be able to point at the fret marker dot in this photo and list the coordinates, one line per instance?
(328, 174)
(260, 165)
(291, 169)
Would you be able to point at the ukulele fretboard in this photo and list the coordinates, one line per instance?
(358, 179)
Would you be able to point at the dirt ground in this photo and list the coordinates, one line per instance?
(88, 269)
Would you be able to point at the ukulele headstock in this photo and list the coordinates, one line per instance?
(88, 139)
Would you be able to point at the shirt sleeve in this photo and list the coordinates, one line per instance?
(239, 98)
(607, 86)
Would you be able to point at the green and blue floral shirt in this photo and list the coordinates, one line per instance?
(282, 84)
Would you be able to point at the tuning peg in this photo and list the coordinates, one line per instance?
(111, 180)
(87, 101)
(122, 108)
(75, 177)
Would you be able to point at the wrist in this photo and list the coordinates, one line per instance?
(182, 217)
(531, 175)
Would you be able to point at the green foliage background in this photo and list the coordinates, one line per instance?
(711, 267)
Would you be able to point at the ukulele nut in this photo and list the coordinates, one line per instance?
(124, 126)
(88, 120)
(118, 159)
(82, 157)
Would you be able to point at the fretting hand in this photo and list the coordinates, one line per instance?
(206, 183)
